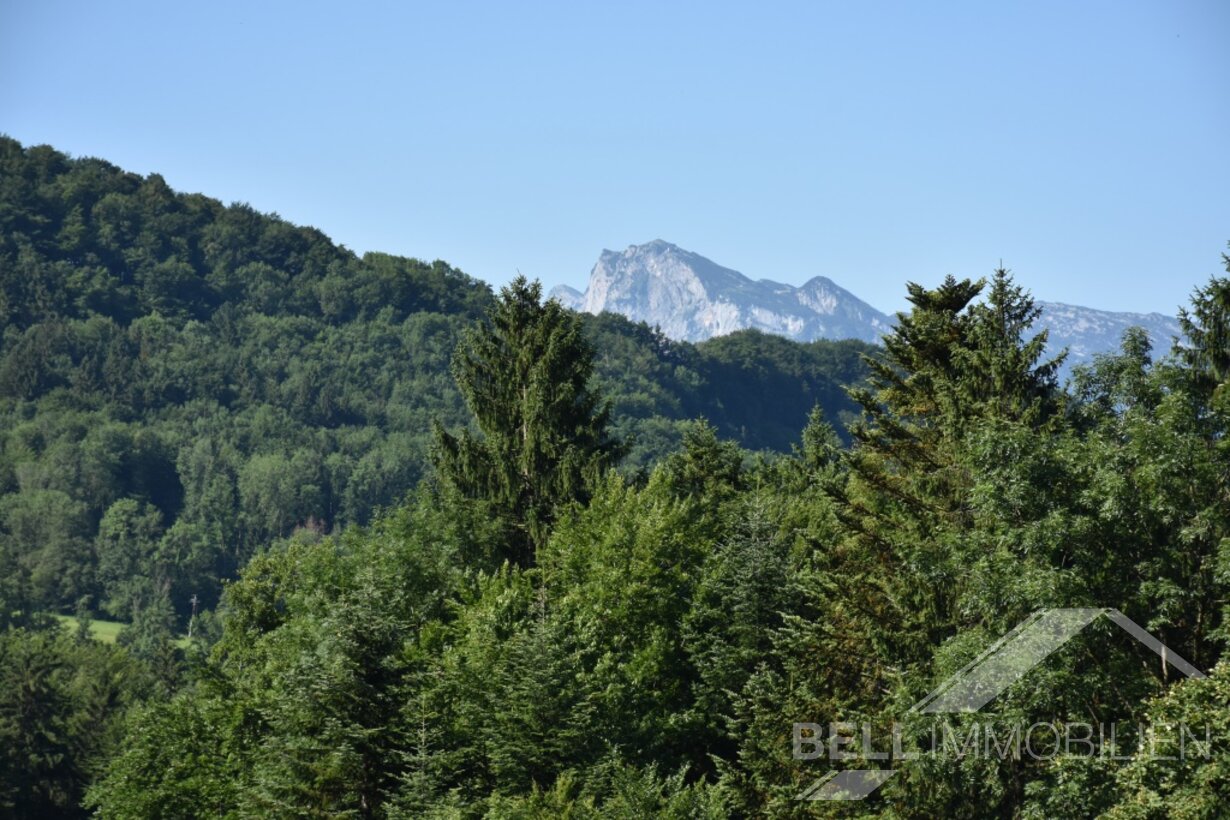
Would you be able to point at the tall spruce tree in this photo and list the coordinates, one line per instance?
(543, 439)
(950, 363)
(1005, 372)
(1206, 328)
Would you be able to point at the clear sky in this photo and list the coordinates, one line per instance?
(1086, 144)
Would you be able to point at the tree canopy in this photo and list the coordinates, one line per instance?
(236, 378)
(525, 375)
(210, 413)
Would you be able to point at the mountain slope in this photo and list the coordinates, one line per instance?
(1085, 332)
(215, 378)
(692, 298)
(569, 297)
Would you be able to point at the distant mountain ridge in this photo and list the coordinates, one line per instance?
(692, 298)
(1085, 331)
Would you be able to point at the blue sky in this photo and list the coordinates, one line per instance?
(1086, 144)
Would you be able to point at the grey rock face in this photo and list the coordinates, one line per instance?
(570, 298)
(693, 299)
(1085, 332)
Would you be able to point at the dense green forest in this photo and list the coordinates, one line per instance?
(552, 592)
(181, 383)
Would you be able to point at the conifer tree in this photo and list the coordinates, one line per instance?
(542, 433)
(1005, 372)
(1206, 348)
(906, 410)
(950, 364)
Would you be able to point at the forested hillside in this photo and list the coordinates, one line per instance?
(485, 563)
(563, 641)
(182, 382)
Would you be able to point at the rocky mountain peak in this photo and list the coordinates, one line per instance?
(693, 298)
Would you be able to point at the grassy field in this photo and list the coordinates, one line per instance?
(104, 631)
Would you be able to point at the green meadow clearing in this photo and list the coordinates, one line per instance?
(105, 631)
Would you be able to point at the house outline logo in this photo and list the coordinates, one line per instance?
(983, 679)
